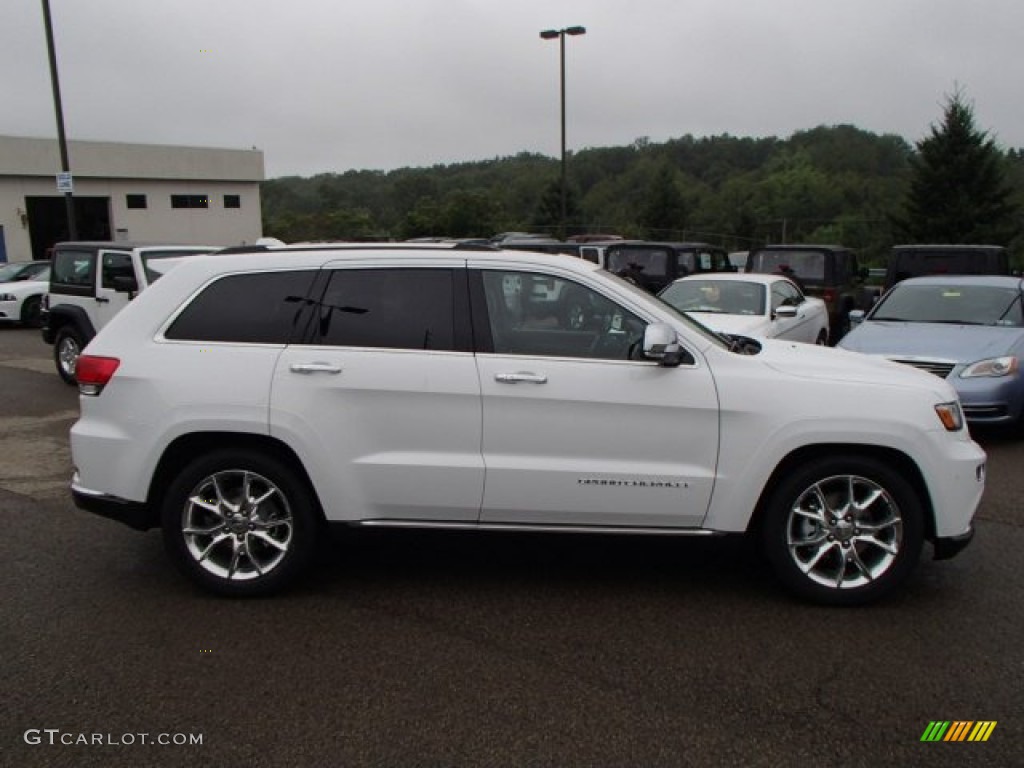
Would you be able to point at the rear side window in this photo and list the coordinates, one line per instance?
(388, 308)
(258, 308)
(74, 268)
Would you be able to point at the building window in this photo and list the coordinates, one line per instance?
(232, 201)
(190, 201)
(135, 201)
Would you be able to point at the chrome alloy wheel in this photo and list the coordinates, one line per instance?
(844, 532)
(68, 351)
(237, 525)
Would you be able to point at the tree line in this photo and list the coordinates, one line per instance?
(830, 184)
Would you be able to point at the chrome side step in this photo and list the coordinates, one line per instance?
(534, 527)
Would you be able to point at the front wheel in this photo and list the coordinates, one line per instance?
(240, 523)
(32, 312)
(843, 530)
(67, 348)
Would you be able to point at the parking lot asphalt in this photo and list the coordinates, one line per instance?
(423, 649)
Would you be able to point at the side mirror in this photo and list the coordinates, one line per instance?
(856, 317)
(786, 310)
(662, 344)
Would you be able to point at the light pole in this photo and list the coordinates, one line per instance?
(551, 34)
(69, 203)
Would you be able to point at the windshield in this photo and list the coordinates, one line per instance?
(730, 297)
(958, 304)
(22, 271)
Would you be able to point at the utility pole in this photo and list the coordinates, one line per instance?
(65, 166)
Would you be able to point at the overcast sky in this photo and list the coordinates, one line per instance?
(334, 85)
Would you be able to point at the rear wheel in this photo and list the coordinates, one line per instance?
(843, 530)
(822, 339)
(67, 348)
(240, 523)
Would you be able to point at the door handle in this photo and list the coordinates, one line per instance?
(515, 378)
(314, 368)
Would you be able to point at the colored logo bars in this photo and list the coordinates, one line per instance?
(958, 730)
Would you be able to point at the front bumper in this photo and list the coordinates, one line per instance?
(951, 546)
(132, 513)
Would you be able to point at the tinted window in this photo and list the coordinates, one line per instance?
(115, 264)
(647, 261)
(232, 201)
(262, 307)
(388, 308)
(541, 315)
(135, 201)
(807, 265)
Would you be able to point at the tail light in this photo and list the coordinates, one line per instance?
(830, 295)
(93, 372)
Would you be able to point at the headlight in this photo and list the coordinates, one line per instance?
(996, 366)
(8, 297)
(950, 415)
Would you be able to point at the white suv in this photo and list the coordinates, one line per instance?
(245, 400)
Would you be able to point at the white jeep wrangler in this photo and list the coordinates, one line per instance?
(90, 282)
(244, 401)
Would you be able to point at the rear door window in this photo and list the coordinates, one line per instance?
(389, 309)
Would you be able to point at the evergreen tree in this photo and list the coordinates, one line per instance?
(547, 216)
(958, 189)
(663, 211)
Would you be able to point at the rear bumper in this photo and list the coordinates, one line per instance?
(132, 513)
(951, 546)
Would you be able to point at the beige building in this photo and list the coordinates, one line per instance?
(138, 192)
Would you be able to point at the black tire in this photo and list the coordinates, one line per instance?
(32, 312)
(843, 326)
(822, 339)
(67, 347)
(229, 545)
(825, 556)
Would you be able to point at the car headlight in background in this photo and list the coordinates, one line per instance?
(996, 366)
(950, 415)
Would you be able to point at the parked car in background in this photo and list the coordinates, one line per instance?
(652, 266)
(967, 330)
(21, 298)
(90, 282)
(828, 272)
(919, 260)
(764, 306)
(246, 401)
(12, 271)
